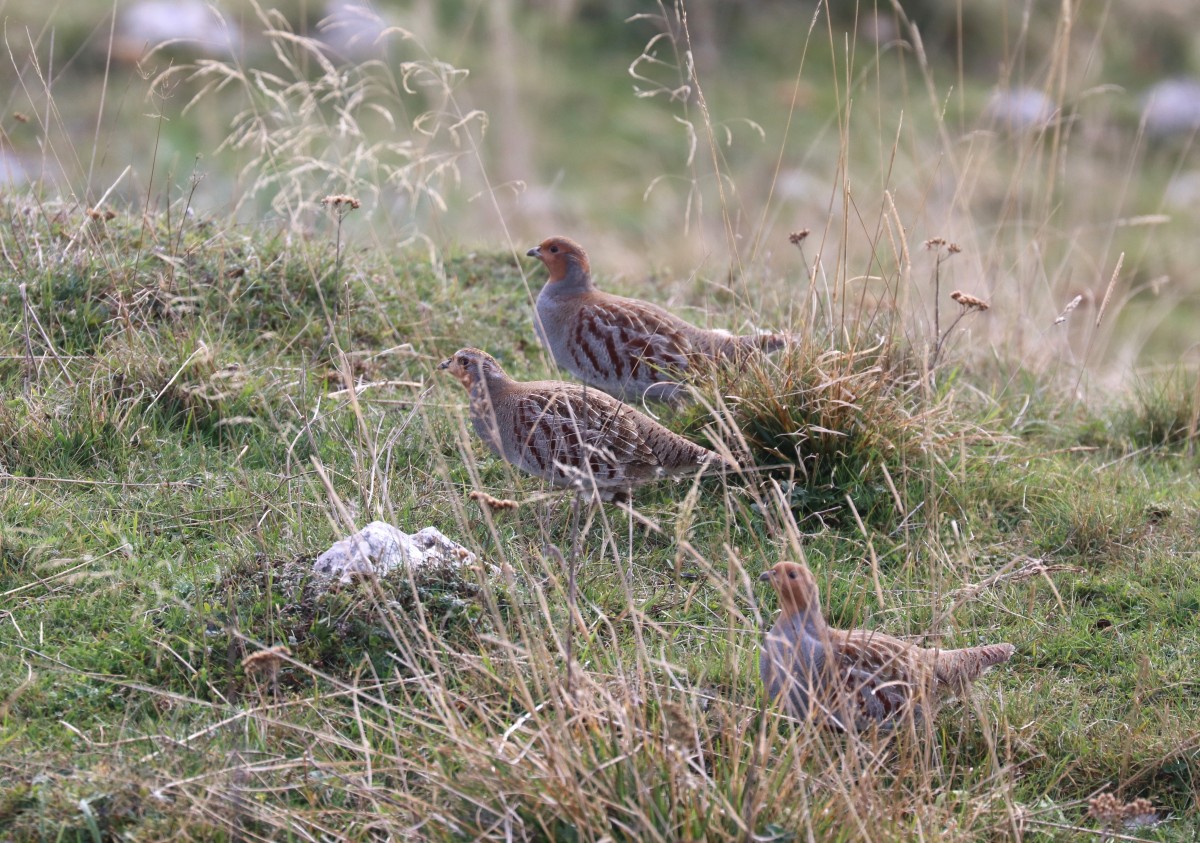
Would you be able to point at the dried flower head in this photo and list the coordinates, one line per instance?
(20, 117)
(798, 237)
(1111, 811)
(266, 662)
(486, 500)
(969, 301)
(342, 202)
(1074, 303)
(97, 214)
(936, 244)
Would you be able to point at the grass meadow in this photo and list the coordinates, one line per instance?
(208, 375)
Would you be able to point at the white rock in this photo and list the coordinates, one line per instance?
(380, 547)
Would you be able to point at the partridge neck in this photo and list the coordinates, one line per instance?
(487, 387)
(809, 619)
(576, 280)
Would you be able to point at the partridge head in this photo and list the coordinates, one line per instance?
(570, 435)
(631, 349)
(856, 678)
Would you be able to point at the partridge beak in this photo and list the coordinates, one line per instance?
(535, 252)
(765, 576)
(445, 364)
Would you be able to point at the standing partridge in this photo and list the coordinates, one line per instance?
(571, 435)
(856, 678)
(631, 349)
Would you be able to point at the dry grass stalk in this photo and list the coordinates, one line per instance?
(303, 132)
(1029, 567)
(1112, 282)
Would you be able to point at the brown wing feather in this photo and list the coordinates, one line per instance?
(633, 340)
(567, 434)
(884, 675)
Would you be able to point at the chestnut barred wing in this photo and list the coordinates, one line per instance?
(629, 342)
(580, 437)
(881, 677)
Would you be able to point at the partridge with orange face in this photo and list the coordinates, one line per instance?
(631, 349)
(571, 435)
(856, 678)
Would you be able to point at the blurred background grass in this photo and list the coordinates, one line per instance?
(1013, 130)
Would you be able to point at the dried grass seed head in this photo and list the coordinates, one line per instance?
(1071, 305)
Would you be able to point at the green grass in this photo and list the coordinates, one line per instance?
(161, 507)
(194, 403)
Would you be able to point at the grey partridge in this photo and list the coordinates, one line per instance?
(571, 435)
(631, 349)
(855, 678)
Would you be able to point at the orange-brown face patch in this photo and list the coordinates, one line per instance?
(796, 585)
(559, 254)
(451, 365)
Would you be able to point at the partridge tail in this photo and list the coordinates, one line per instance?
(761, 342)
(957, 666)
(718, 463)
(992, 654)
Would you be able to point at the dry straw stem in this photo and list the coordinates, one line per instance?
(1019, 569)
(1099, 317)
(1112, 282)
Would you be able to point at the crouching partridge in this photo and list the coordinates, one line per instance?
(631, 349)
(570, 435)
(856, 678)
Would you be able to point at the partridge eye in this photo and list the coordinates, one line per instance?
(791, 575)
(554, 249)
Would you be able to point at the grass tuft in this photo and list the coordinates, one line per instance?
(838, 427)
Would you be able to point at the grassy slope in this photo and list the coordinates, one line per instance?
(163, 452)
